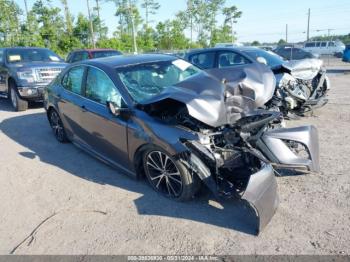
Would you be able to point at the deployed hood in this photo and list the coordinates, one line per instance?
(305, 69)
(215, 103)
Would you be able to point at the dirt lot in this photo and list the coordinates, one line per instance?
(91, 209)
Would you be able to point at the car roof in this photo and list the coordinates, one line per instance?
(126, 60)
(94, 49)
(25, 48)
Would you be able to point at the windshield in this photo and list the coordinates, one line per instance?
(105, 54)
(272, 59)
(145, 81)
(32, 55)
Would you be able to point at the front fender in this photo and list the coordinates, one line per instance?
(276, 146)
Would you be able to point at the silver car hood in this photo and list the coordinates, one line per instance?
(217, 104)
(306, 69)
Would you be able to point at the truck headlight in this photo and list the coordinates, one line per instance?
(28, 91)
(27, 75)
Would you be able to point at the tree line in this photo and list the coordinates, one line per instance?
(45, 25)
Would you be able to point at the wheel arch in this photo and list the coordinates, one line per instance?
(9, 80)
(138, 159)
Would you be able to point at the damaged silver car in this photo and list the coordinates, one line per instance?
(301, 86)
(165, 118)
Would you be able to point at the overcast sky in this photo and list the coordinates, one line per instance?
(264, 21)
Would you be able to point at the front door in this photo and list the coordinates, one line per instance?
(106, 133)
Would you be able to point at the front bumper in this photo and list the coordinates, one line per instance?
(274, 144)
(260, 192)
(33, 93)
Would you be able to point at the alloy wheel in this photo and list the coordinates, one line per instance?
(163, 174)
(56, 125)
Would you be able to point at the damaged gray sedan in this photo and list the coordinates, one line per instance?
(163, 117)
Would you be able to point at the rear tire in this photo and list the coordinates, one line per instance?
(18, 104)
(57, 127)
(168, 176)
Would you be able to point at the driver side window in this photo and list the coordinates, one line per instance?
(100, 88)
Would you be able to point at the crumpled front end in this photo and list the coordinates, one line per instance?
(236, 174)
(303, 87)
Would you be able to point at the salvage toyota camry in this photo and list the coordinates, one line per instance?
(163, 117)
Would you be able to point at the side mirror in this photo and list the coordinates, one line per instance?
(261, 60)
(112, 108)
(115, 110)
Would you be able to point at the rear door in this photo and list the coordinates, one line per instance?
(70, 102)
(323, 48)
(106, 134)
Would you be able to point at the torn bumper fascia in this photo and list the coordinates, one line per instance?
(278, 152)
(260, 193)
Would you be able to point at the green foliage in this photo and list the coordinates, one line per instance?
(48, 26)
(281, 42)
(255, 43)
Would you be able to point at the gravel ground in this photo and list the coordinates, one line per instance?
(84, 207)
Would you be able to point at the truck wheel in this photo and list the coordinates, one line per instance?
(17, 103)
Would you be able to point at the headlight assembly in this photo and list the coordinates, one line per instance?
(27, 75)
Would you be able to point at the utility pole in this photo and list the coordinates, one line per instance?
(68, 17)
(286, 33)
(191, 19)
(91, 25)
(133, 27)
(98, 15)
(308, 25)
(232, 31)
(329, 32)
(26, 7)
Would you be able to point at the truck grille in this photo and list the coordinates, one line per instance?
(47, 74)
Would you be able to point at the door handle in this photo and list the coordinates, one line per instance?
(83, 108)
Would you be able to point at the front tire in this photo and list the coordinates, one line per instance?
(18, 104)
(168, 176)
(57, 127)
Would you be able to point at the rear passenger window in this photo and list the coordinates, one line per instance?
(73, 80)
(1, 55)
(229, 59)
(203, 60)
(323, 44)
